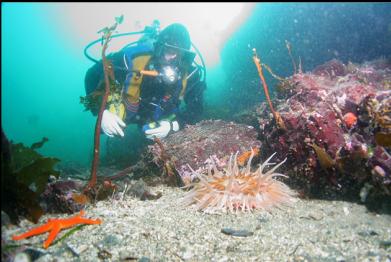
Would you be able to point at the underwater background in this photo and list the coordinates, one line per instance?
(43, 65)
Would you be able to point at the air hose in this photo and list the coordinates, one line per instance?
(147, 30)
(100, 40)
(201, 58)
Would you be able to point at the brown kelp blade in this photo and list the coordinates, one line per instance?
(324, 158)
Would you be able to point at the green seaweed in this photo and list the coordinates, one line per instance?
(31, 168)
(22, 156)
(69, 233)
(9, 248)
(93, 100)
(39, 144)
(25, 174)
(37, 173)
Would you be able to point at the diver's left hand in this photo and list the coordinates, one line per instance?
(162, 130)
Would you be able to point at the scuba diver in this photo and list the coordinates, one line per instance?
(154, 75)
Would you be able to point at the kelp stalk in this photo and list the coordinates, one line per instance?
(109, 77)
(288, 46)
(276, 115)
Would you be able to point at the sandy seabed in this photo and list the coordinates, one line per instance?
(165, 230)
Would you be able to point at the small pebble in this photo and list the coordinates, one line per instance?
(379, 171)
(187, 255)
(367, 233)
(127, 256)
(49, 258)
(144, 259)
(340, 259)
(316, 216)
(111, 240)
(76, 251)
(236, 233)
(104, 254)
(385, 244)
(22, 257)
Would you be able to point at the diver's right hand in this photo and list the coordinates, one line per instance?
(111, 124)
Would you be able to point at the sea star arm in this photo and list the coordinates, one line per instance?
(70, 222)
(55, 230)
(60, 224)
(87, 221)
(35, 231)
(56, 225)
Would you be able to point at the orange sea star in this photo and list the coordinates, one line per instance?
(55, 226)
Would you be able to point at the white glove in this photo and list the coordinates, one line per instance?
(111, 124)
(162, 130)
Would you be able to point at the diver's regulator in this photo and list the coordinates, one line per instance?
(168, 74)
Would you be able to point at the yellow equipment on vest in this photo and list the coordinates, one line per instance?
(115, 102)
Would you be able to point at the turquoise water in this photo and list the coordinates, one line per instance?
(43, 67)
(318, 32)
(42, 79)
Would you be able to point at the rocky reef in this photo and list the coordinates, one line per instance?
(338, 128)
(193, 146)
(63, 196)
(336, 139)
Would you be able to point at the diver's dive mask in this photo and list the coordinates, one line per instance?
(173, 55)
(172, 60)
